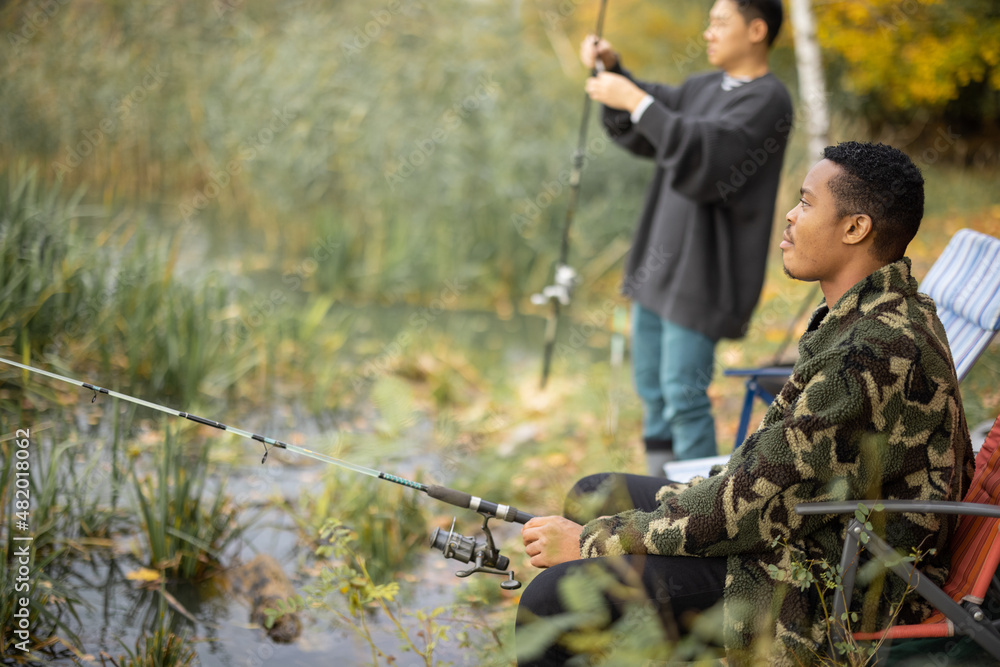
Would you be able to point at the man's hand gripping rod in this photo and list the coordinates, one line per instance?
(483, 553)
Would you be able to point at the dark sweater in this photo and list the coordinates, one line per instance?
(699, 251)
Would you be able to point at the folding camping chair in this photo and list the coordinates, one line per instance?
(964, 283)
(975, 553)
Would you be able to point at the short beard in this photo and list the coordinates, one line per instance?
(789, 273)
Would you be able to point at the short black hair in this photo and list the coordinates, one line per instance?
(883, 183)
(769, 10)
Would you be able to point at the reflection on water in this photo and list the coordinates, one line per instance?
(116, 611)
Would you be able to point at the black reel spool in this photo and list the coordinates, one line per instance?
(482, 552)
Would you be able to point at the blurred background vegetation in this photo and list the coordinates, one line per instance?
(233, 173)
(343, 208)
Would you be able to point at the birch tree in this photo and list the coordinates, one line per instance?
(812, 86)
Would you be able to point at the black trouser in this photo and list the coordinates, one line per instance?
(677, 586)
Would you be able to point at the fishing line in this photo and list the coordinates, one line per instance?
(444, 494)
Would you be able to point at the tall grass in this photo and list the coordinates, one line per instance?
(51, 604)
(387, 521)
(392, 176)
(110, 292)
(42, 290)
(185, 523)
(159, 646)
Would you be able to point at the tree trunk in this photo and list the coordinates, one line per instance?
(812, 86)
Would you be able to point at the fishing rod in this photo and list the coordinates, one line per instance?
(566, 279)
(482, 552)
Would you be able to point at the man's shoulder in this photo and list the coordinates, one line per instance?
(767, 87)
(904, 326)
(702, 79)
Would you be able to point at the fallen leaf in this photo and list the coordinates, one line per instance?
(143, 574)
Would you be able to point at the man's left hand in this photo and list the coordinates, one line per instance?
(551, 540)
(615, 91)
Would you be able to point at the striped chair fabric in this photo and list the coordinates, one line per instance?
(965, 284)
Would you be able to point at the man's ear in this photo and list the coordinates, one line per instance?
(758, 31)
(858, 228)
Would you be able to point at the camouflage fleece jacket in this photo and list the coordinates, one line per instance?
(872, 410)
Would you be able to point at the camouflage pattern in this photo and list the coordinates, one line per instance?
(872, 410)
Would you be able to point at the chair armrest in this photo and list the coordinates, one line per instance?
(908, 506)
(770, 371)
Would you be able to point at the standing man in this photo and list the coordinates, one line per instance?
(696, 266)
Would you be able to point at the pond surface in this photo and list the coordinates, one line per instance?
(116, 611)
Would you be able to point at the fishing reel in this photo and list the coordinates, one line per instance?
(562, 290)
(482, 552)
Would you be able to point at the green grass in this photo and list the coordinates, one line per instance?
(33, 497)
(185, 527)
(158, 647)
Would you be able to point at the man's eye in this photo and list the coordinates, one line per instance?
(803, 202)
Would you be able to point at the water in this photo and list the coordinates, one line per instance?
(115, 611)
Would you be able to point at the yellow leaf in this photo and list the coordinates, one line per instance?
(143, 574)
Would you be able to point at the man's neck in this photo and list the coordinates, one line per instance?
(837, 287)
(749, 69)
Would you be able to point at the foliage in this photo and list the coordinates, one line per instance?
(347, 582)
(161, 648)
(40, 274)
(639, 636)
(386, 520)
(370, 131)
(50, 602)
(906, 54)
(827, 580)
(184, 534)
(67, 286)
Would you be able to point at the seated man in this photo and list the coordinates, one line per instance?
(872, 410)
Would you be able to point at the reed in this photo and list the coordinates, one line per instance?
(185, 524)
(388, 523)
(159, 647)
(51, 603)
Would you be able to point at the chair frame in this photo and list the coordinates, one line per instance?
(968, 617)
(754, 390)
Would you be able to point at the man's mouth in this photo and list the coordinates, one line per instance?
(786, 241)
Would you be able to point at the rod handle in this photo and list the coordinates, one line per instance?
(468, 501)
